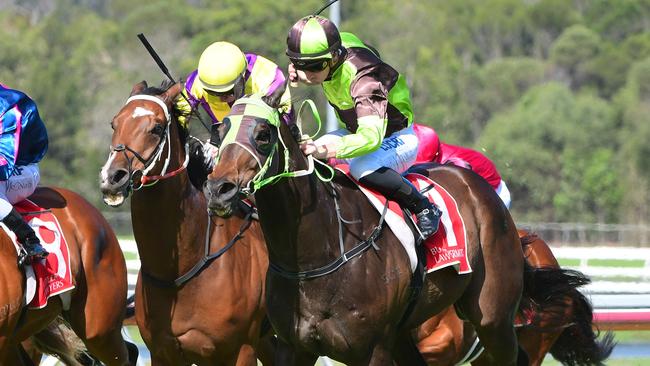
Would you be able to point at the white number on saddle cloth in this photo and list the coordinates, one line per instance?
(54, 245)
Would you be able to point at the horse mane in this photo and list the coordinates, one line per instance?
(157, 90)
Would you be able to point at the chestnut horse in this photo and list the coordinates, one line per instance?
(565, 329)
(200, 291)
(354, 306)
(97, 303)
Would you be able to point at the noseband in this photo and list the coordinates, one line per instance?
(150, 162)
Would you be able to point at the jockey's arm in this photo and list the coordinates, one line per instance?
(372, 124)
(185, 108)
(8, 140)
(368, 138)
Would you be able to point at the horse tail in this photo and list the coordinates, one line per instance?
(550, 291)
(59, 340)
(579, 344)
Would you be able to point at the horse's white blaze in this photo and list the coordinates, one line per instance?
(139, 112)
(104, 172)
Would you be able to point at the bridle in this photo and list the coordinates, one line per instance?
(139, 178)
(264, 177)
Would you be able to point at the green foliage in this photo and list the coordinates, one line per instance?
(633, 102)
(576, 45)
(617, 19)
(556, 92)
(554, 152)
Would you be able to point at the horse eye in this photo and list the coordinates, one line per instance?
(112, 126)
(157, 130)
(263, 137)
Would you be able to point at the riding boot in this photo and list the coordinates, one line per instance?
(396, 188)
(26, 237)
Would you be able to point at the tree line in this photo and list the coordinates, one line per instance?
(555, 92)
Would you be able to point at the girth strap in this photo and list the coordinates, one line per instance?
(345, 255)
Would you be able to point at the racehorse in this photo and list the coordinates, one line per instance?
(329, 292)
(199, 297)
(97, 303)
(565, 329)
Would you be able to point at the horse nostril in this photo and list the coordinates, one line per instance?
(119, 176)
(226, 188)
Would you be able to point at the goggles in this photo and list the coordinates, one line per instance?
(314, 65)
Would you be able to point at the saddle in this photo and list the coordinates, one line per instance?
(53, 275)
(445, 248)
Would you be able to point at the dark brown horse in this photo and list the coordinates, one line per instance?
(565, 329)
(200, 291)
(99, 274)
(355, 308)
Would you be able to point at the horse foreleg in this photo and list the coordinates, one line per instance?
(536, 343)
(246, 356)
(406, 352)
(34, 354)
(11, 354)
(266, 349)
(98, 320)
(382, 356)
(288, 355)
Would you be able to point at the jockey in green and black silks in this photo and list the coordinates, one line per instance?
(372, 101)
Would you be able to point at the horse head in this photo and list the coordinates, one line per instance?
(141, 140)
(251, 135)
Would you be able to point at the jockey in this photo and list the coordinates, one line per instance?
(372, 100)
(225, 74)
(23, 143)
(433, 150)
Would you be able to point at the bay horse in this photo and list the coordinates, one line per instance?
(356, 310)
(199, 297)
(565, 329)
(97, 303)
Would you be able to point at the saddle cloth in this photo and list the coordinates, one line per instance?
(447, 247)
(52, 276)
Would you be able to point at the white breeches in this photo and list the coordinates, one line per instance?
(397, 151)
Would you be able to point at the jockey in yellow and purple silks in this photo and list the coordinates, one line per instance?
(225, 74)
(23, 143)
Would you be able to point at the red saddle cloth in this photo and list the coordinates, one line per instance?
(447, 247)
(53, 275)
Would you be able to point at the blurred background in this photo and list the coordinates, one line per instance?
(555, 92)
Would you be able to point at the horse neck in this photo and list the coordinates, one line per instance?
(169, 223)
(298, 218)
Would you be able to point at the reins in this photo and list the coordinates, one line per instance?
(149, 180)
(206, 259)
(259, 181)
(156, 155)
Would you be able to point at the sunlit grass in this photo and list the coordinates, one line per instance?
(569, 262)
(130, 256)
(626, 263)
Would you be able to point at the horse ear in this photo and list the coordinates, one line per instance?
(138, 88)
(173, 92)
(273, 99)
